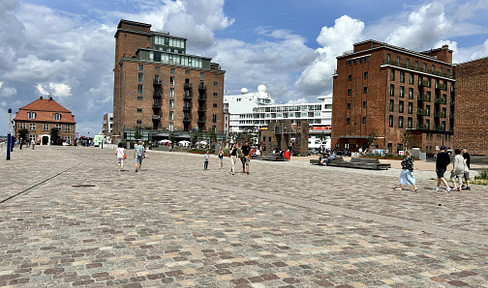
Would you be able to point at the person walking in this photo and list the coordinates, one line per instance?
(121, 155)
(441, 163)
(246, 157)
(220, 156)
(33, 144)
(205, 162)
(234, 155)
(467, 167)
(406, 176)
(21, 142)
(138, 155)
(457, 169)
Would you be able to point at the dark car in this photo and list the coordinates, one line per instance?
(343, 152)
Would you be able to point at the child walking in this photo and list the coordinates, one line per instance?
(221, 158)
(205, 163)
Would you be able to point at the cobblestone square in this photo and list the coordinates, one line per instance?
(69, 218)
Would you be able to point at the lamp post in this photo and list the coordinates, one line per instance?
(9, 141)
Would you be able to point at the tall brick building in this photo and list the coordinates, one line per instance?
(159, 89)
(471, 120)
(389, 90)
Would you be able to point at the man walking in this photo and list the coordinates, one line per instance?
(138, 155)
(467, 161)
(440, 168)
(246, 157)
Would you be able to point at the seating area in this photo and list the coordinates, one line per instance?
(359, 163)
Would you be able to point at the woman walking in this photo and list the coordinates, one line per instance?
(234, 155)
(406, 176)
(221, 158)
(457, 169)
(121, 155)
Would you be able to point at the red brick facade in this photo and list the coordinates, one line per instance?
(471, 117)
(389, 90)
(163, 96)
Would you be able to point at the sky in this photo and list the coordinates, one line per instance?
(65, 48)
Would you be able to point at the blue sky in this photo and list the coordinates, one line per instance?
(65, 48)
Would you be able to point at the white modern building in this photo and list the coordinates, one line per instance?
(107, 126)
(248, 112)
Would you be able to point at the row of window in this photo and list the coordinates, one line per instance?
(172, 71)
(172, 118)
(416, 65)
(32, 115)
(45, 126)
(356, 61)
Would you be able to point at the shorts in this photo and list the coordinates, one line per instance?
(466, 176)
(245, 160)
(138, 159)
(120, 159)
(440, 173)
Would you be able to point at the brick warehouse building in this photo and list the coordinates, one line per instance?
(470, 123)
(40, 116)
(159, 89)
(389, 90)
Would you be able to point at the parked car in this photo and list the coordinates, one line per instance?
(343, 152)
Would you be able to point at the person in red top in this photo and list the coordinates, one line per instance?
(287, 154)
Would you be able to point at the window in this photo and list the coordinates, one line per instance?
(140, 77)
(170, 127)
(416, 65)
(202, 75)
(402, 76)
(407, 62)
(59, 127)
(172, 92)
(348, 106)
(171, 81)
(139, 110)
(67, 128)
(390, 148)
(392, 75)
(391, 107)
(56, 117)
(139, 122)
(32, 137)
(410, 78)
(365, 104)
(45, 127)
(215, 94)
(365, 90)
(433, 68)
(388, 58)
(216, 75)
(349, 92)
(171, 115)
(392, 90)
(410, 93)
(21, 125)
(390, 121)
(187, 72)
(67, 139)
(409, 122)
(429, 94)
(216, 84)
(172, 71)
(365, 75)
(139, 98)
(32, 126)
(364, 120)
(400, 106)
(428, 82)
(214, 118)
(31, 115)
(410, 107)
(402, 91)
(141, 67)
(214, 105)
(349, 77)
(348, 121)
(425, 67)
(171, 104)
(398, 60)
(156, 68)
(139, 89)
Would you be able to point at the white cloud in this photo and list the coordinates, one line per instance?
(316, 79)
(7, 91)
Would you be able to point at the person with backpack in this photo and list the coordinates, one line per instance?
(139, 155)
(406, 176)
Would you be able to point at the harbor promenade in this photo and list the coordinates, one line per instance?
(69, 218)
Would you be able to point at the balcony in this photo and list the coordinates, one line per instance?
(202, 109)
(441, 86)
(202, 87)
(202, 98)
(422, 127)
(187, 97)
(187, 86)
(440, 115)
(157, 94)
(440, 101)
(201, 121)
(186, 119)
(156, 106)
(186, 108)
(423, 113)
(156, 117)
(422, 98)
(394, 62)
(157, 82)
(423, 84)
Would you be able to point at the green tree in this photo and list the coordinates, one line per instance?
(172, 137)
(372, 138)
(55, 139)
(407, 139)
(137, 134)
(23, 133)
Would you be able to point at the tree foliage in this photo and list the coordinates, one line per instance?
(372, 138)
(23, 133)
(55, 138)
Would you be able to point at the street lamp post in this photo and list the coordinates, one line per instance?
(9, 140)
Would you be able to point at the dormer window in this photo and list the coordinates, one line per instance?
(56, 117)
(31, 115)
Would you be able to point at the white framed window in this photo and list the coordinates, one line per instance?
(171, 115)
(45, 126)
(32, 137)
(67, 139)
(22, 125)
(32, 126)
(171, 104)
(67, 128)
(59, 126)
(56, 117)
(172, 92)
(31, 115)
(170, 127)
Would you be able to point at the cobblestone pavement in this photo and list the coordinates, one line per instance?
(68, 218)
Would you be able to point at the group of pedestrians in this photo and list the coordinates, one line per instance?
(245, 157)
(140, 152)
(460, 170)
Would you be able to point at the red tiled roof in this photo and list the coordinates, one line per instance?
(45, 109)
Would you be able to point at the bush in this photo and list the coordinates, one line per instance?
(483, 174)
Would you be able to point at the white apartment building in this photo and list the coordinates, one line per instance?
(248, 112)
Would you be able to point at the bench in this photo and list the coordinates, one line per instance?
(359, 163)
(271, 157)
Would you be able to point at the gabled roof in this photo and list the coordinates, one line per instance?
(45, 109)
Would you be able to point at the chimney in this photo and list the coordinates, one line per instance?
(40, 98)
(50, 98)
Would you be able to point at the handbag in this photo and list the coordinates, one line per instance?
(125, 155)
